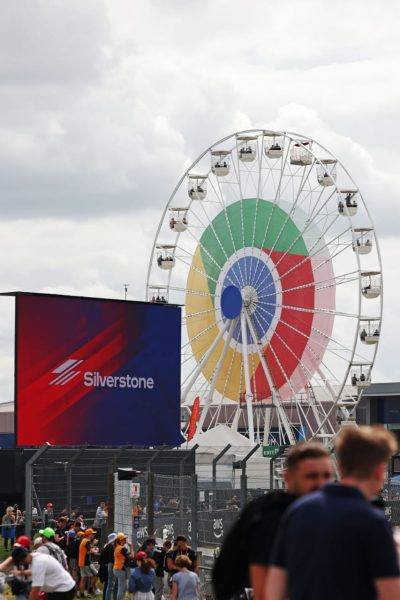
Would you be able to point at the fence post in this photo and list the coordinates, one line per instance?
(112, 469)
(181, 479)
(28, 487)
(110, 496)
(152, 458)
(69, 476)
(214, 474)
(195, 508)
(150, 502)
(271, 473)
(243, 476)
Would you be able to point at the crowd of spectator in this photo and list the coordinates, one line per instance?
(109, 570)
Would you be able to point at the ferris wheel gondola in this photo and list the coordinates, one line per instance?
(276, 287)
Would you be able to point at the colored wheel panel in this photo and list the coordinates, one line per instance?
(267, 260)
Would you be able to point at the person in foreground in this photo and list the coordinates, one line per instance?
(333, 545)
(48, 575)
(185, 583)
(246, 551)
(142, 578)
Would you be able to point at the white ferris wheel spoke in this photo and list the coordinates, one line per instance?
(310, 250)
(309, 374)
(320, 333)
(216, 374)
(275, 395)
(329, 258)
(277, 192)
(228, 223)
(222, 248)
(333, 282)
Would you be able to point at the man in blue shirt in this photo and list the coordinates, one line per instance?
(333, 545)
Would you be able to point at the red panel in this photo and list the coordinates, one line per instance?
(293, 331)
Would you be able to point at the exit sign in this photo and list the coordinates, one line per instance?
(273, 451)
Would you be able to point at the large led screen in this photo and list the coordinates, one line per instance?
(102, 372)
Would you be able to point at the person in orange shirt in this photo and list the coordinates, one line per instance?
(87, 569)
(122, 554)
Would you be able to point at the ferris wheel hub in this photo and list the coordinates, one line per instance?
(250, 298)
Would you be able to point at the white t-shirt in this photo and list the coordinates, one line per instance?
(49, 575)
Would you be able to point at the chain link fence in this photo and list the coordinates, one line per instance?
(154, 505)
(76, 480)
(167, 506)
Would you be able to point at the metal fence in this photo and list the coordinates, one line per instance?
(157, 505)
(166, 506)
(75, 480)
(170, 499)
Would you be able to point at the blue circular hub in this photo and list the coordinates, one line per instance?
(250, 278)
(231, 302)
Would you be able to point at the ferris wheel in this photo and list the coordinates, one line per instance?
(269, 247)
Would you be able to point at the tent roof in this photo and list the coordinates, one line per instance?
(219, 436)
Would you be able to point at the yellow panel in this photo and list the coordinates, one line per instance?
(229, 380)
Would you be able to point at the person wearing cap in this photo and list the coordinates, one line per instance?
(48, 514)
(23, 541)
(77, 526)
(87, 569)
(106, 562)
(73, 555)
(157, 554)
(37, 542)
(70, 552)
(50, 547)
(142, 579)
(20, 584)
(122, 554)
(47, 575)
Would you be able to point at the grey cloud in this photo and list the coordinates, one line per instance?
(55, 42)
(103, 106)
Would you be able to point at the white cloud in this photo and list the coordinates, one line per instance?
(104, 105)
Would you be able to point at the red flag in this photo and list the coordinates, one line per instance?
(194, 417)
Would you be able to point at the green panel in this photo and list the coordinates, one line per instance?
(273, 451)
(274, 229)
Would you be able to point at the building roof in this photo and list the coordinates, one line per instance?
(391, 388)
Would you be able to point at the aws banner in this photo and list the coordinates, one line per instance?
(102, 372)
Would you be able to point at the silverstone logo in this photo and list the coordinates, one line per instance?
(67, 371)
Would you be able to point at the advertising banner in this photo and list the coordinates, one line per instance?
(95, 371)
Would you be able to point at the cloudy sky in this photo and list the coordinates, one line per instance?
(105, 103)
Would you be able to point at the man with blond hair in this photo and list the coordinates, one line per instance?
(333, 545)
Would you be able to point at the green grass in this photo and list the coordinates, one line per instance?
(3, 553)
